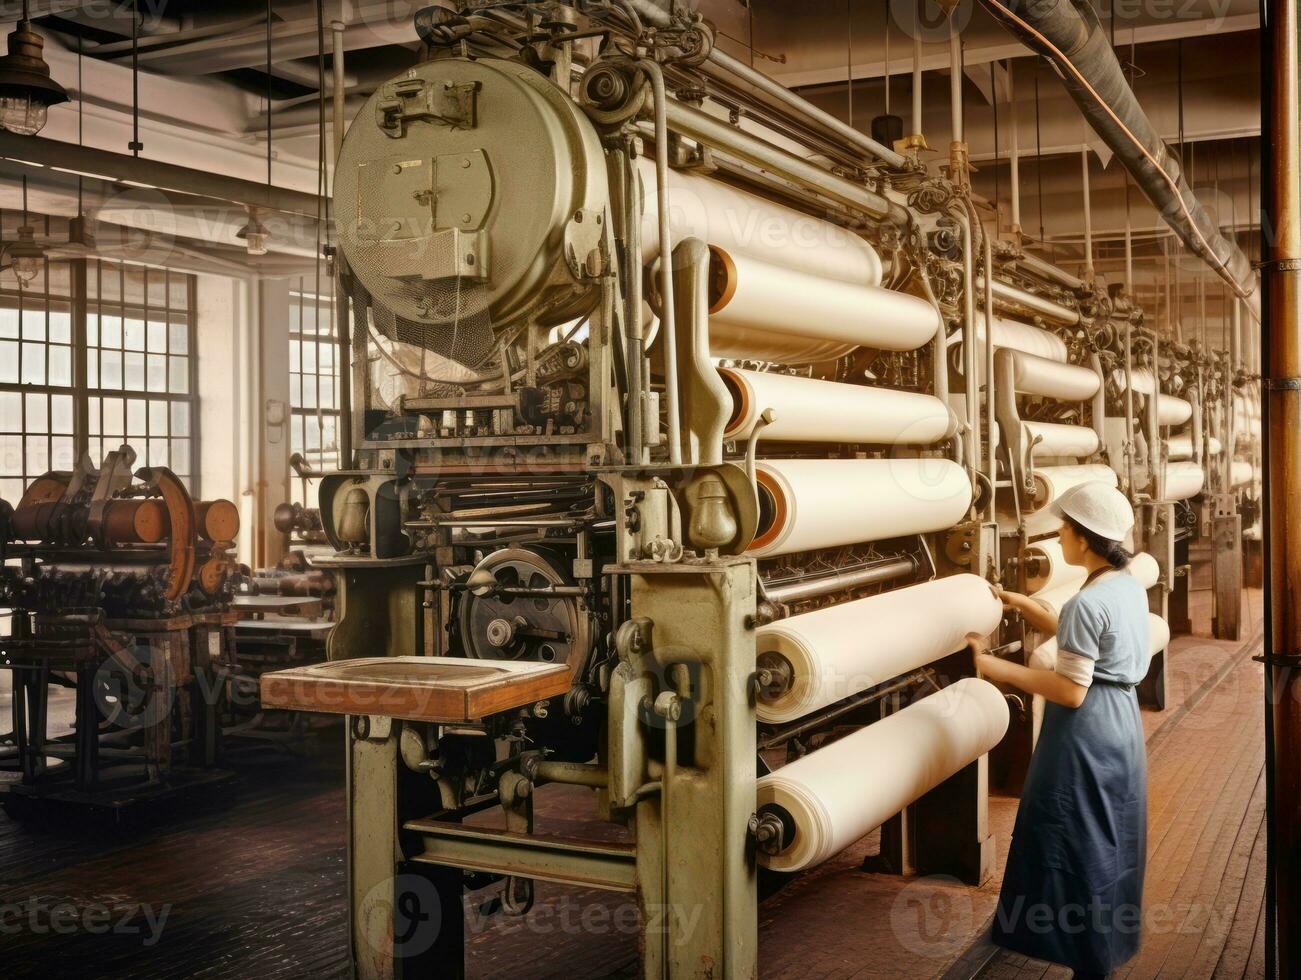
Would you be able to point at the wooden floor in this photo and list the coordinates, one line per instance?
(252, 883)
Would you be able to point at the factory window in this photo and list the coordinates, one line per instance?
(36, 369)
(138, 368)
(313, 385)
(139, 365)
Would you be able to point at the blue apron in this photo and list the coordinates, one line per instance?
(1073, 888)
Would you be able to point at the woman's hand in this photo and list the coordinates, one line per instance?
(1011, 601)
(979, 647)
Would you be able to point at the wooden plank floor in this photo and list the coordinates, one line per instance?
(252, 884)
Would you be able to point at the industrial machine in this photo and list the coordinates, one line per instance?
(117, 586)
(687, 427)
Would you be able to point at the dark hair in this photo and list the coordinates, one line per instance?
(1113, 551)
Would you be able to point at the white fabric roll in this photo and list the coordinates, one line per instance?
(1035, 375)
(828, 503)
(1053, 570)
(810, 410)
(1053, 481)
(1183, 480)
(1241, 473)
(720, 214)
(840, 650)
(1158, 635)
(1019, 336)
(759, 309)
(1057, 439)
(1172, 411)
(843, 791)
(1054, 599)
(1181, 446)
(1144, 568)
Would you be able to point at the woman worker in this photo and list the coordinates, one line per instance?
(1073, 888)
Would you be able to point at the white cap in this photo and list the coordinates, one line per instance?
(1098, 506)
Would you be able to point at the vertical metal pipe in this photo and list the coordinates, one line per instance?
(917, 82)
(1129, 408)
(342, 304)
(1088, 214)
(955, 82)
(1281, 434)
(1015, 154)
(636, 341)
(340, 92)
(989, 369)
(667, 329)
(969, 369)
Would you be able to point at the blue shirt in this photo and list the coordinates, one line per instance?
(1107, 623)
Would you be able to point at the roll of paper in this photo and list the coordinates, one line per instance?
(1183, 480)
(1053, 481)
(809, 410)
(1181, 446)
(1241, 473)
(1057, 439)
(762, 310)
(1019, 336)
(1051, 568)
(840, 650)
(1035, 375)
(719, 214)
(1144, 568)
(841, 792)
(1158, 635)
(807, 504)
(1172, 411)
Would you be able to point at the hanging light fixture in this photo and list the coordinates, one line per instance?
(26, 89)
(253, 234)
(26, 256)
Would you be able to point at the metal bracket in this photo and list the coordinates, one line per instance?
(414, 99)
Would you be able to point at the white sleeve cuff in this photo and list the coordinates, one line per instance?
(1075, 667)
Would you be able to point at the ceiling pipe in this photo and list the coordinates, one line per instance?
(1071, 37)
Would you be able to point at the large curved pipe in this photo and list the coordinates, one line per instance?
(1069, 34)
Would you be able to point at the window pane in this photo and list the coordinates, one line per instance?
(134, 372)
(61, 414)
(158, 418)
(92, 416)
(11, 411)
(38, 414)
(179, 375)
(9, 323)
(60, 365)
(133, 334)
(181, 455)
(179, 338)
(157, 337)
(135, 417)
(158, 452)
(111, 331)
(11, 456)
(157, 372)
(62, 453)
(110, 366)
(157, 288)
(114, 417)
(38, 455)
(10, 490)
(92, 330)
(180, 419)
(33, 364)
(9, 361)
(33, 324)
(60, 326)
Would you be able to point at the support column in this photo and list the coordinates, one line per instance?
(1281, 347)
